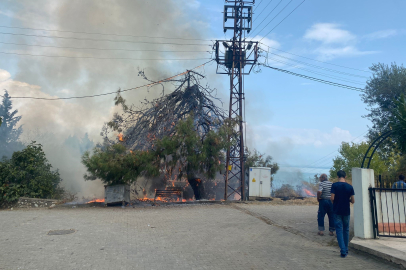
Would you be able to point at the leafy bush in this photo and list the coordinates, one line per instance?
(115, 165)
(29, 174)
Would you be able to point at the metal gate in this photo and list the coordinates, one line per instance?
(388, 207)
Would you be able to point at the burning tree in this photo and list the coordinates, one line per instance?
(141, 127)
(185, 130)
(113, 165)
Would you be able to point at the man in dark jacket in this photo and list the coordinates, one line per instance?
(400, 184)
(342, 194)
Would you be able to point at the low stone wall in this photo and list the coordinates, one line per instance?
(24, 202)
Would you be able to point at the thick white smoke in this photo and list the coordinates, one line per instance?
(54, 121)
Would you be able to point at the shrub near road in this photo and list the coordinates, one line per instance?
(28, 173)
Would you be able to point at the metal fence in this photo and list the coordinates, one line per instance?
(388, 207)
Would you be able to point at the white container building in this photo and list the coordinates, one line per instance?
(259, 182)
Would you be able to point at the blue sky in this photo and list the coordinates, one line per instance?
(295, 120)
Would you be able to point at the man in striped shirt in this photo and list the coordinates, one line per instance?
(325, 205)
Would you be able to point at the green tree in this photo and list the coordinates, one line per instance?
(114, 165)
(257, 159)
(9, 133)
(28, 173)
(398, 123)
(386, 86)
(194, 156)
(352, 154)
(185, 152)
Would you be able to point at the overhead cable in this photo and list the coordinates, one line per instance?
(258, 5)
(315, 59)
(261, 11)
(324, 163)
(319, 67)
(315, 72)
(110, 93)
(109, 40)
(89, 48)
(283, 20)
(95, 33)
(316, 79)
(273, 18)
(105, 58)
(268, 15)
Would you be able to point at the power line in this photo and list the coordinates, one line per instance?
(282, 20)
(322, 161)
(315, 59)
(125, 90)
(258, 5)
(262, 11)
(269, 13)
(90, 48)
(315, 72)
(317, 162)
(319, 67)
(316, 79)
(109, 40)
(273, 18)
(104, 58)
(95, 33)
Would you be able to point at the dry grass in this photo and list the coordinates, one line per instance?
(278, 201)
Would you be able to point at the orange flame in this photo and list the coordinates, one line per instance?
(96, 200)
(309, 193)
(120, 137)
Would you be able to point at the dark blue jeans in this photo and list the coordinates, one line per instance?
(325, 207)
(343, 232)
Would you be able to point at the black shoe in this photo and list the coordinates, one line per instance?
(343, 255)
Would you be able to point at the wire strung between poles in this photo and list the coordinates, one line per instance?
(115, 92)
(316, 79)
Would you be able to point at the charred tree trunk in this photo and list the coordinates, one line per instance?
(198, 188)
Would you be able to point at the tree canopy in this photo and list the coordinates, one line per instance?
(351, 155)
(398, 123)
(182, 155)
(28, 173)
(9, 132)
(115, 165)
(258, 159)
(387, 84)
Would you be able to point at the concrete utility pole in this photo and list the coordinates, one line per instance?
(238, 54)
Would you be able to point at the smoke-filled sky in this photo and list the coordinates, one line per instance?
(294, 120)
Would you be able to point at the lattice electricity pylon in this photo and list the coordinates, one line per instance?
(238, 54)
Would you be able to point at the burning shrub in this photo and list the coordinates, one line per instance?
(113, 165)
(285, 190)
(29, 174)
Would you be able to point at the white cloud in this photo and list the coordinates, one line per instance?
(4, 75)
(382, 34)
(269, 42)
(329, 33)
(328, 53)
(296, 136)
(334, 42)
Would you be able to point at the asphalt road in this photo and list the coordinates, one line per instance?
(236, 236)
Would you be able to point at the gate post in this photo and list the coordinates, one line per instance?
(362, 179)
